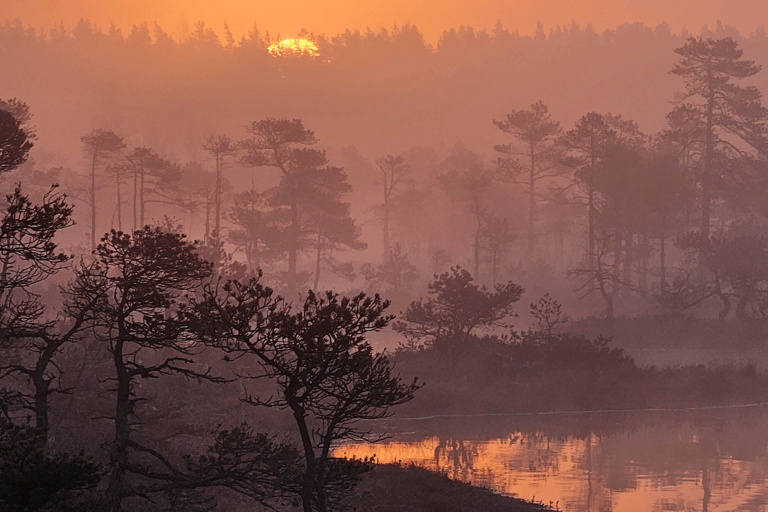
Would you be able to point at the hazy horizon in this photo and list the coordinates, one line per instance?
(431, 17)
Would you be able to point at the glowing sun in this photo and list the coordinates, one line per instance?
(294, 47)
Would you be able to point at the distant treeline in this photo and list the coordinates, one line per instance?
(377, 90)
(522, 158)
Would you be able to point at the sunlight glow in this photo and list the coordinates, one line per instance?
(294, 47)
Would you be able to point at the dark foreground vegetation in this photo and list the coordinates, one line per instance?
(398, 488)
(528, 376)
(546, 368)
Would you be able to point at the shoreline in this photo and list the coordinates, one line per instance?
(409, 488)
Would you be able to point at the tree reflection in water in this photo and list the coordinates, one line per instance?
(707, 461)
(456, 458)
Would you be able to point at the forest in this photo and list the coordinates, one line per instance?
(222, 260)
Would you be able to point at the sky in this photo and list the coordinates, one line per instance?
(432, 17)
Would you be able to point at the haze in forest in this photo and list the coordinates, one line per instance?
(432, 17)
(226, 256)
(364, 96)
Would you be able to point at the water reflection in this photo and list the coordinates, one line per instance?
(710, 461)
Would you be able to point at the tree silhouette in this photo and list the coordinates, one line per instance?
(397, 272)
(33, 479)
(737, 264)
(154, 175)
(259, 228)
(220, 148)
(393, 173)
(139, 281)
(496, 236)
(535, 135)
(277, 143)
(21, 111)
(585, 145)
(327, 373)
(310, 191)
(14, 142)
(28, 256)
(600, 274)
(251, 463)
(455, 308)
(548, 312)
(119, 171)
(716, 120)
(331, 228)
(99, 144)
(467, 178)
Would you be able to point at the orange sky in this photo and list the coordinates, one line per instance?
(431, 16)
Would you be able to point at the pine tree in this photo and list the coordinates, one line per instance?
(716, 122)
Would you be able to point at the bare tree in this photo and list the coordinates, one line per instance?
(600, 274)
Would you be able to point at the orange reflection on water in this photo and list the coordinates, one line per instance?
(588, 475)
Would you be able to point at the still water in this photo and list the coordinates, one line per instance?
(713, 460)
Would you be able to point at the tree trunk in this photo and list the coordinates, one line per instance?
(724, 299)
(629, 240)
(591, 226)
(318, 260)
(643, 276)
(93, 200)
(478, 232)
(293, 250)
(387, 248)
(616, 271)
(207, 236)
(705, 484)
(532, 207)
(309, 479)
(709, 152)
(217, 199)
(119, 201)
(42, 387)
(118, 456)
(588, 463)
(41, 405)
(494, 260)
(663, 263)
(142, 201)
(741, 306)
(608, 306)
(135, 198)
